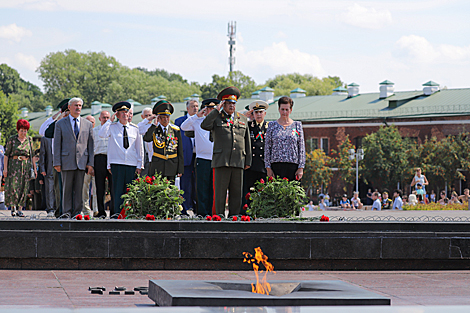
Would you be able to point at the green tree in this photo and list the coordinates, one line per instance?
(346, 167)
(317, 170)
(314, 86)
(10, 81)
(243, 82)
(386, 158)
(8, 117)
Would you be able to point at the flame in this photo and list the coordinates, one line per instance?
(262, 287)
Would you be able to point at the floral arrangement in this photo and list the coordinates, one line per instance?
(435, 206)
(152, 196)
(278, 197)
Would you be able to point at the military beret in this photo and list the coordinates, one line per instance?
(121, 106)
(63, 105)
(231, 94)
(258, 105)
(163, 107)
(210, 103)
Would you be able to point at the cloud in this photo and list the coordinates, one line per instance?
(26, 61)
(277, 59)
(363, 17)
(418, 49)
(14, 32)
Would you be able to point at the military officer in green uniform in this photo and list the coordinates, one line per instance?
(257, 127)
(231, 153)
(167, 157)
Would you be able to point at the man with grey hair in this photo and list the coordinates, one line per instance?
(148, 146)
(188, 180)
(73, 155)
(89, 179)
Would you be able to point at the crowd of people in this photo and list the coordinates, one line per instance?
(213, 152)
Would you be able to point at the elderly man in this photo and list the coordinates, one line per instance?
(203, 145)
(148, 146)
(188, 180)
(89, 179)
(101, 163)
(168, 160)
(125, 151)
(257, 127)
(131, 115)
(232, 147)
(73, 154)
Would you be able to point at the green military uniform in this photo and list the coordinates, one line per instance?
(167, 157)
(231, 153)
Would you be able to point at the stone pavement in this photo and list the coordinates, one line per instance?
(69, 289)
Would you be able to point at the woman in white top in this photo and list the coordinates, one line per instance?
(420, 178)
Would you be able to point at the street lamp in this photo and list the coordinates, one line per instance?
(358, 156)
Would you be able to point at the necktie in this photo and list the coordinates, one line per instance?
(164, 132)
(75, 128)
(125, 138)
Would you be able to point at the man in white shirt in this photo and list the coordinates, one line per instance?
(398, 202)
(204, 147)
(101, 163)
(376, 205)
(148, 146)
(125, 151)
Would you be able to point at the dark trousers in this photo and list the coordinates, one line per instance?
(72, 198)
(287, 170)
(101, 173)
(122, 175)
(205, 190)
(230, 178)
(249, 179)
(187, 182)
(49, 196)
(58, 193)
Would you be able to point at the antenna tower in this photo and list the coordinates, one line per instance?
(232, 29)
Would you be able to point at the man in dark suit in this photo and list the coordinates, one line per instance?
(168, 159)
(188, 179)
(257, 126)
(73, 155)
(231, 154)
(47, 171)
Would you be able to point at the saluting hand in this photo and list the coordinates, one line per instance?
(151, 117)
(201, 113)
(220, 105)
(113, 116)
(249, 114)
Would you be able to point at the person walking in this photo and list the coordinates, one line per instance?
(73, 155)
(188, 179)
(284, 153)
(232, 150)
(17, 168)
(168, 159)
(204, 147)
(125, 152)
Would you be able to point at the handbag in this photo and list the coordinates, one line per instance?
(32, 174)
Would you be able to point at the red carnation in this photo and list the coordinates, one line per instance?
(87, 217)
(208, 218)
(285, 178)
(150, 217)
(216, 218)
(247, 196)
(245, 218)
(79, 217)
(245, 207)
(138, 180)
(261, 181)
(128, 189)
(234, 218)
(324, 218)
(270, 178)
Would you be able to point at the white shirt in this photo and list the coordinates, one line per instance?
(204, 146)
(377, 205)
(101, 144)
(133, 155)
(398, 203)
(72, 122)
(43, 128)
(144, 125)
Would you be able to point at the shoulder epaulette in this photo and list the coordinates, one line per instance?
(174, 127)
(133, 125)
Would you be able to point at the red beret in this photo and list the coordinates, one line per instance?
(22, 124)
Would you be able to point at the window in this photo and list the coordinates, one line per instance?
(312, 144)
(358, 142)
(325, 146)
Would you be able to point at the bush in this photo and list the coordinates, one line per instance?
(435, 206)
(276, 198)
(155, 196)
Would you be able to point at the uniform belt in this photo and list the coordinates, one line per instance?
(20, 157)
(165, 157)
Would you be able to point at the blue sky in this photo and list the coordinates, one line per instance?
(407, 42)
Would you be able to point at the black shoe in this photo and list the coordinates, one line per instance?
(13, 213)
(20, 214)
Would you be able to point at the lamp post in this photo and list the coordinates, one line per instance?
(358, 156)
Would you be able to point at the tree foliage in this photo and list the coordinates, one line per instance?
(243, 82)
(340, 160)
(314, 86)
(8, 117)
(317, 170)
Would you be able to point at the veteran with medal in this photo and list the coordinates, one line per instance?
(167, 158)
(257, 127)
(231, 153)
